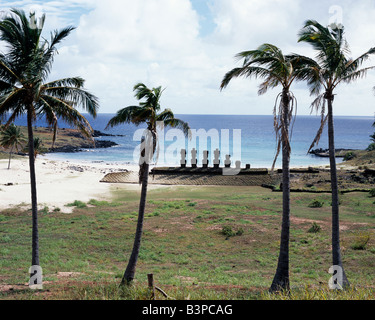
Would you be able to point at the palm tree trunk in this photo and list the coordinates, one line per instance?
(336, 252)
(34, 204)
(130, 269)
(10, 157)
(281, 279)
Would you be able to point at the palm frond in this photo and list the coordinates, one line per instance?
(122, 116)
(356, 75)
(76, 82)
(330, 44)
(234, 73)
(283, 123)
(11, 99)
(6, 72)
(77, 96)
(14, 114)
(356, 63)
(165, 115)
(319, 133)
(51, 118)
(65, 111)
(50, 49)
(179, 124)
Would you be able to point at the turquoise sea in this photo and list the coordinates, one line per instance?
(248, 138)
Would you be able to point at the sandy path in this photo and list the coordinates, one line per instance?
(58, 183)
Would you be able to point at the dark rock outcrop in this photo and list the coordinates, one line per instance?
(98, 134)
(324, 153)
(99, 144)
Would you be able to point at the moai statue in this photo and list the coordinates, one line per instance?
(217, 158)
(194, 158)
(238, 165)
(228, 171)
(205, 159)
(227, 162)
(183, 158)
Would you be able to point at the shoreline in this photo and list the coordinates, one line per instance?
(60, 182)
(72, 146)
(51, 156)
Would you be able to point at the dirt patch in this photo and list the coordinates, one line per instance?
(187, 279)
(160, 230)
(9, 287)
(299, 221)
(68, 274)
(214, 228)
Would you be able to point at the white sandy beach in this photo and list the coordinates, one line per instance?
(58, 182)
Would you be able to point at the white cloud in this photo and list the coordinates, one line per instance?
(141, 30)
(118, 43)
(149, 41)
(253, 22)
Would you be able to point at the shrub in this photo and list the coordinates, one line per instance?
(240, 232)
(98, 203)
(229, 232)
(371, 147)
(361, 241)
(78, 204)
(316, 204)
(315, 228)
(192, 204)
(349, 156)
(45, 210)
(372, 192)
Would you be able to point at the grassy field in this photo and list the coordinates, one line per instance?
(199, 242)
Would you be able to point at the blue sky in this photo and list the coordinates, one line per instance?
(187, 46)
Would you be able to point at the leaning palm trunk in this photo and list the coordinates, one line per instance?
(34, 204)
(146, 112)
(281, 279)
(130, 269)
(10, 156)
(336, 254)
(148, 149)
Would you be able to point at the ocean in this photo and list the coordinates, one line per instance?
(247, 138)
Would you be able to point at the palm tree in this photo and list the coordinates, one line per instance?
(268, 62)
(332, 67)
(12, 138)
(38, 146)
(24, 69)
(147, 112)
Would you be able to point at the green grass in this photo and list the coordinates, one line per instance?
(184, 247)
(78, 204)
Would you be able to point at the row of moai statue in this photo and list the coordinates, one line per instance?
(205, 161)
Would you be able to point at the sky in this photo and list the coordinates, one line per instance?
(187, 46)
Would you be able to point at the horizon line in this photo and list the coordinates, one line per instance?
(260, 115)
